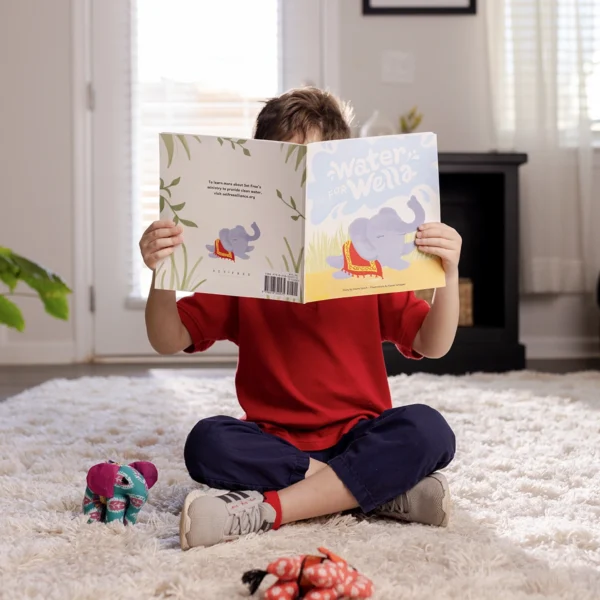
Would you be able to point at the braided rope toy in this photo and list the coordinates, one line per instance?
(311, 577)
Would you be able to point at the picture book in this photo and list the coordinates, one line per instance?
(299, 222)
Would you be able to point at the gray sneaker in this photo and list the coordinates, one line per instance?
(209, 520)
(428, 503)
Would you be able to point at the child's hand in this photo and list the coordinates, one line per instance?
(443, 241)
(160, 240)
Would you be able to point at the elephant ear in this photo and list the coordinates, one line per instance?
(101, 479)
(224, 237)
(148, 471)
(360, 239)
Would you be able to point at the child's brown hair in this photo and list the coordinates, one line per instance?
(301, 111)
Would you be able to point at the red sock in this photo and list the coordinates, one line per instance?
(272, 498)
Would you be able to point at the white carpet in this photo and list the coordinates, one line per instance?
(525, 482)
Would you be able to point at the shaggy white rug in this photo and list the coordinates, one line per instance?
(525, 483)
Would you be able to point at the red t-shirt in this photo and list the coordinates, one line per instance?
(308, 372)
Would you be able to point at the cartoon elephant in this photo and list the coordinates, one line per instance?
(377, 242)
(117, 492)
(233, 243)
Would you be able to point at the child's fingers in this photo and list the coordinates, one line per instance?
(161, 233)
(159, 225)
(437, 251)
(436, 241)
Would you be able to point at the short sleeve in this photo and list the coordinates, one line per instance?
(401, 316)
(209, 318)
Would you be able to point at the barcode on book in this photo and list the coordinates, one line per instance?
(282, 285)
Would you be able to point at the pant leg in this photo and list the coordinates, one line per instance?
(226, 453)
(382, 458)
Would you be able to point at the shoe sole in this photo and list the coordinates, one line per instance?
(446, 499)
(185, 522)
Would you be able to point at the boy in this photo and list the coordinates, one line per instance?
(319, 434)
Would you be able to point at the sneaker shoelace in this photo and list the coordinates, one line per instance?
(398, 504)
(245, 522)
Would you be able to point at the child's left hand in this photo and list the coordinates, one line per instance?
(443, 241)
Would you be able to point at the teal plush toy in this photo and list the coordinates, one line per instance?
(117, 492)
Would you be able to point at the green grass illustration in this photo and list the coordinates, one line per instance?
(291, 262)
(321, 246)
(169, 142)
(182, 281)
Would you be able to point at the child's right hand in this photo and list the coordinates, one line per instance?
(160, 240)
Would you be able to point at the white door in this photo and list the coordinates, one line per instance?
(196, 65)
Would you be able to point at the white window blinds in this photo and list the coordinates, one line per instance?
(199, 66)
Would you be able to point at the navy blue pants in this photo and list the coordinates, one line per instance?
(377, 460)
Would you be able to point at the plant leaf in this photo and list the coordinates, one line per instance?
(290, 151)
(161, 204)
(168, 192)
(175, 181)
(177, 207)
(279, 194)
(241, 142)
(162, 184)
(302, 150)
(303, 181)
(187, 223)
(167, 138)
(9, 272)
(176, 219)
(297, 265)
(295, 217)
(56, 306)
(246, 152)
(184, 143)
(220, 140)
(232, 144)
(293, 203)
(197, 138)
(10, 314)
(40, 279)
(285, 262)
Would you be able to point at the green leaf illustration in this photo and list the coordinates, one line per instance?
(302, 150)
(246, 152)
(295, 217)
(220, 140)
(175, 181)
(279, 194)
(168, 191)
(303, 181)
(185, 266)
(290, 151)
(177, 206)
(162, 183)
(285, 262)
(184, 143)
(293, 203)
(197, 285)
(167, 138)
(176, 220)
(10, 314)
(188, 223)
(161, 204)
(232, 144)
(197, 138)
(240, 142)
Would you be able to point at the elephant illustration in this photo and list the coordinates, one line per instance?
(233, 243)
(117, 492)
(376, 243)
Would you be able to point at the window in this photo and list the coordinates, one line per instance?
(197, 78)
(555, 46)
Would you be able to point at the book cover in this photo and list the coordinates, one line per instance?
(296, 222)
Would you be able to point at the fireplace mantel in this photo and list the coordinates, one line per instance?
(480, 199)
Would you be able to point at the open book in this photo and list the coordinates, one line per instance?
(295, 222)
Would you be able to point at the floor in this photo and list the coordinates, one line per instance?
(14, 380)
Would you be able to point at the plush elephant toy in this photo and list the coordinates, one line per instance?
(377, 242)
(117, 492)
(233, 243)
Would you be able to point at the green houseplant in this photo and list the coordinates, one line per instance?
(47, 286)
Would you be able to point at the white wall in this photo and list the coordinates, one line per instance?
(36, 150)
(36, 161)
(450, 88)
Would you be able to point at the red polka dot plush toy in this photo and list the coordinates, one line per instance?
(309, 577)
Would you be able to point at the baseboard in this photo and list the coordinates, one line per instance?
(548, 347)
(37, 353)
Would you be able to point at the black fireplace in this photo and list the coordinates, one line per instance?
(480, 199)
